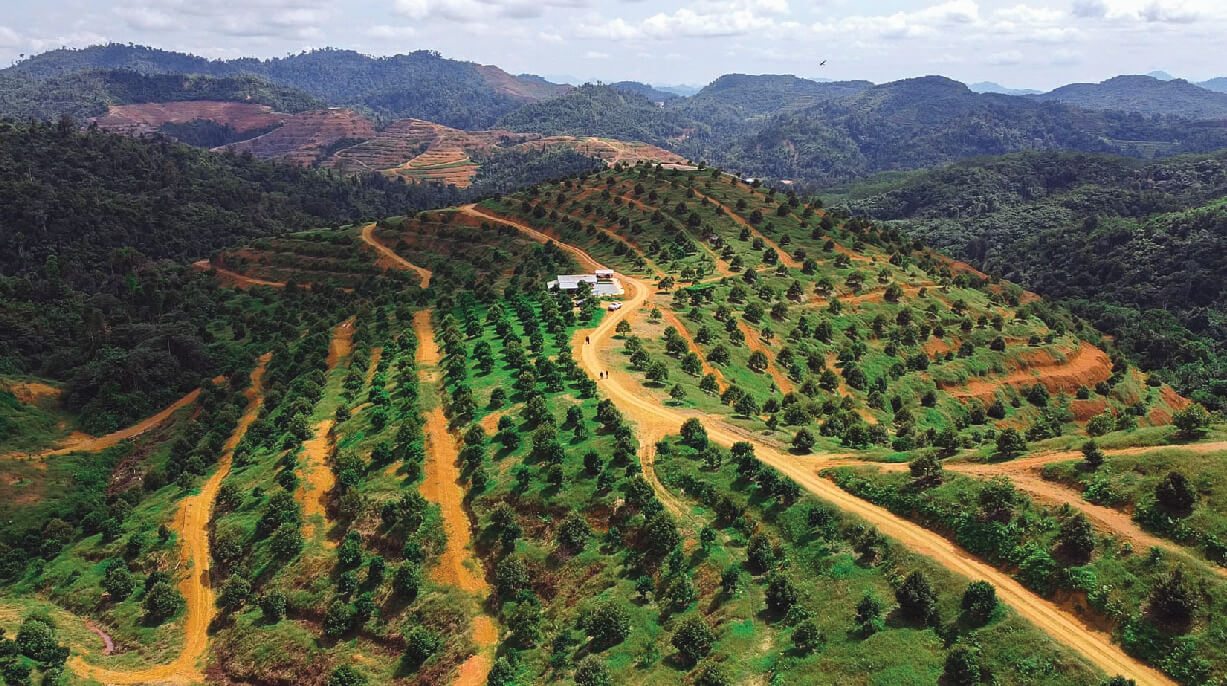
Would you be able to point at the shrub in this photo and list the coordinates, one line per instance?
(980, 601)
(592, 671)
(608, 623)
(1175, 494)
(781, 593)
(962, 666)
(162, 602)
(1174, 600)
(917, 599)
(807, 637)
(420, 644)
(346, 675)
(693, 638)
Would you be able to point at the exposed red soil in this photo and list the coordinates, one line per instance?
(1085, 409)
(233, 279)
(585, 260)
(516, 87)
(304, 136)
(1086, 366)
(108, 645)
(34, 392)
(147, 118)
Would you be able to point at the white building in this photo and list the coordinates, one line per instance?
(603, 283)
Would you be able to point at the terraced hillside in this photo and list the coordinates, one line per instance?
(803, 450)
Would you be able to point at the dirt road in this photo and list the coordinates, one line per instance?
(1092, 644)
(192, 526)
(318, 476)
(386, 253)
(585, 260)
(235, 279)
(755, 342)
(81, 442)
(441, 485)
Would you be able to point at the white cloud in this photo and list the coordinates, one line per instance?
(468, 11)
(596, 55)
(9, 38)
(148, 18)
(706, 19)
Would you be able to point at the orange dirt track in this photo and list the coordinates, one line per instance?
(192, 525)
(389, 255)
(80, 442)
(319, 479)
(1094, 645)
(235, 279)
(441, 485)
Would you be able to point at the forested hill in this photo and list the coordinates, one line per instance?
(80, 195)
(1139, 248)
(88, 94)
(599, 110)
(421, 84)
(923, 122)
(1143, 94)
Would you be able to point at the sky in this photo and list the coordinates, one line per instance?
(1018, 43)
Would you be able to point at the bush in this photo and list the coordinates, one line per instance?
(1174, 600)
(868, 615)
(1192, 421)
(162, 602)
(1076, 539)
(917, 599)
(346, 675)
(693, 638)
(272, 604)
(338, 619)
(1175, 494)
(592, 671)
(781, 593)
(962, 666)
(980, 601)
(807, 637)
(608, 623)
(420, 644)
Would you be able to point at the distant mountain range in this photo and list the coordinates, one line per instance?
(772, 126)
(992, 87)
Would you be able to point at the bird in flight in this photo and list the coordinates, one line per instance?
(823, 63)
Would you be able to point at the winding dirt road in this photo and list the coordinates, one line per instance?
(192, 525)
(235, 279)
(1091, 643)
(389, 255)
(441, 485)
(80, 442)
(652, 420)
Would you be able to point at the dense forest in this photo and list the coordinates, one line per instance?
(420, 84)
(88, 94)
(93, 224)
(1138, 248)
(597, 110)
(1143, 94)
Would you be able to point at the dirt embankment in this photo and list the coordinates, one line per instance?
(191, 524)
(389, 259)
(1086, 366)
(1095, 645)
(318, 479)
(441, 485)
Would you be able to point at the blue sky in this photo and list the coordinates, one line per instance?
(1019, 43)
